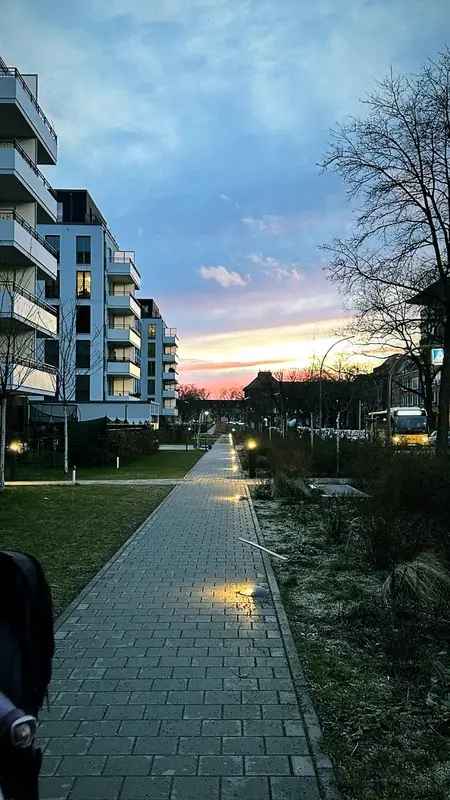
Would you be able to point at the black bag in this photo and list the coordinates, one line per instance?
(26, 631)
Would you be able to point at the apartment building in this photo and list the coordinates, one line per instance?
(99, 346)
(27, 260)
(159, 376)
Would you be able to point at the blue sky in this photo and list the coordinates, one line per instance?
(197, 126)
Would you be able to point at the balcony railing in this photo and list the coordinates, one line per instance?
(7, 214)
(170, 332)
(124, 326)
(128, 359)
(7, 72)
(32, 364)
(15, 288)
(14, 144)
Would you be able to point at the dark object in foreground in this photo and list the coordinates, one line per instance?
(27, 647)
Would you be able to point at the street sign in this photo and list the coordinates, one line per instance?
(437, 356)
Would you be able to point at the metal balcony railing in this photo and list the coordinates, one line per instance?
(8, 144)
(170, 332)
(7, 72)
(7, 214)
(32, 364)
(15, 288)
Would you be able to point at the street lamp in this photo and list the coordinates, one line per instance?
(339, 341)
(251, 445)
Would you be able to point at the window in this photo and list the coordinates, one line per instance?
(151, 368)
(82, 387)
(83, 284)
(51, 352)
(151, 387)
(169, 403)
(52, 288)
(151, 350)
(53, 241)
(83, 324)
(83, 249)
(83, 354)
(151, 331)
(59, 212)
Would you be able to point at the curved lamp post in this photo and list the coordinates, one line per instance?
(344, 339)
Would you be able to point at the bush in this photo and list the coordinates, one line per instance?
(95, 443)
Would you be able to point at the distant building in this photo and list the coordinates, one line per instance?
(94, 295)
(159, 375)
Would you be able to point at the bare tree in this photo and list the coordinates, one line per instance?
(396, 163)
(20, 314)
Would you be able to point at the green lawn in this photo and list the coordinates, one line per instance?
(73, 531)
(163, 464)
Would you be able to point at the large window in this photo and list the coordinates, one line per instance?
(151, 368)
(53, 241)
(151, 331)
(83, 249)
(52, 288)
(169, 403)
(151, 388)
(51, 352)
(82, 387)
(151, 350)
(83, 354)
(83, 284)
(83, 324)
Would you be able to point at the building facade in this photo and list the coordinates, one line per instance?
(98, 353)
(27, 260)
(159, 374)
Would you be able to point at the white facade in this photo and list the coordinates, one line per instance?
(27, 139)
(97, 283)
(159, 374)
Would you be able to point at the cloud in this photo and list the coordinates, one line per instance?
(223, 276)
(273, 268)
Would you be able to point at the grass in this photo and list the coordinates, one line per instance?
(370, 673)
(73, 531)
(163, 464)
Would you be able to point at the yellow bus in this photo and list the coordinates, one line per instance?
(409, 426)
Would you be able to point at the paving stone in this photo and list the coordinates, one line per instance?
(197, 788)
(68, 745)
(294, 789)
(49, 765)
(146, 788)
(128, 765)
(156, 745)
(221, 765)
(202, 712)
(289, 745)
(112, 745)
(243, 745)
(267, 765)
(55, 788)
(242, 712)
(81, 765)
(263, 727)
(200, 745)
(174, 765)
(303, 765)
(245, 789)
(213, 727)
(102, 788)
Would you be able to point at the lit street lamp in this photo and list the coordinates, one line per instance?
(251, 445)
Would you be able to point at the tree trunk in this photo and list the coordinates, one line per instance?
(3, 442)
(444, 392)
(66, 443)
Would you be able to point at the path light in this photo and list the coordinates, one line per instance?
(251, 445)
(16, 447)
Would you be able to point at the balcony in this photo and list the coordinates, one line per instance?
(170, 358)
(29, 311)
(124, 336)
(22, 182)
(169, 412)
(124, 304)
(171, 394)
(22, 246)
(121, 265)
(170, 336)
(122, 369)
(30, 377)
(21, 115)
(169, 376)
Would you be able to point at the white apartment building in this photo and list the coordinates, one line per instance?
(159, 376)
(27, 139)
(99, 346)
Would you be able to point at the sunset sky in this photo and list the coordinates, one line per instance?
(197, 126)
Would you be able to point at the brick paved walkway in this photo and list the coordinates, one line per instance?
(169, 684)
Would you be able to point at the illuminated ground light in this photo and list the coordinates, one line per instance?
(257, 592)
